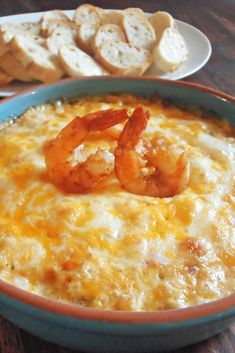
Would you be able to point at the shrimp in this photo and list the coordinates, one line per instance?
(154, 168)
(87, 175)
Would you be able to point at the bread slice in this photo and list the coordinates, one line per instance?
(54, 15)
(115, 17)
(77, 63)
(8, 30)
(139, 31)
(161, 20)
(108, 32)
(135, 10)
(121, 58)
(51, 26)
(49, 17)
(60, 36)
(46, 70)
(87, 13)
(14, 68)
(3, 43)
(171, 51)
(4, 78)
(85, 35)
(38, 61)
(30, 27)
(26, 49)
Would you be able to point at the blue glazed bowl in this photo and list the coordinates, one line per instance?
(109, 331)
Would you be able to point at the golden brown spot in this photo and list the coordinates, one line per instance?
(71, 265)
(50, 275)
(193, 246)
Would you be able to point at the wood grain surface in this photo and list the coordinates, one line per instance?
(216, 18)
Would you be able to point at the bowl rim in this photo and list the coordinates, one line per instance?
(201, 311)
(197, 86)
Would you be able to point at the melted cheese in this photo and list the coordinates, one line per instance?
(111, 249)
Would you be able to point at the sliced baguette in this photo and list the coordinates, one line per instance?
(85, 35)
(161, 20)
(59, 37)
(54, 15)
(121, 58)
(26, 49)
(46, 70)
(4, 78)
(58, 25)
(14, 68)
(115, 17)
(30, 27)
(3, 44)
(77, 63)
(87, 13)
(49, 17)
(171, 51)
(135, 10)
(139, 31)
(38, 61)
(108, 32)
(8, 30)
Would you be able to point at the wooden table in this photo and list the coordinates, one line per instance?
(216, 18)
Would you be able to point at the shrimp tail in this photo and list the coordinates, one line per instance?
(127, 164)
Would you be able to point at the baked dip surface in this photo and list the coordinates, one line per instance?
(110, 248)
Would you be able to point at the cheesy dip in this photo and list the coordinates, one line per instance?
(112, 249)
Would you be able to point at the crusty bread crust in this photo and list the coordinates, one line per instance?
(3, 44)
(85, 35)
(87, 13)
(115, 17)
(51, 73)
(135, 10)
(4, 78)
(57, 25)
(51, 17)
(54, 15)
(161, 20)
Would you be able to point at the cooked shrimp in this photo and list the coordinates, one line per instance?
(87, 175)
(153, 168)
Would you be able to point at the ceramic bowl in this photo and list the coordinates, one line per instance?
(109, 331)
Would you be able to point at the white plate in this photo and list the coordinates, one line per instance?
(198, 45)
